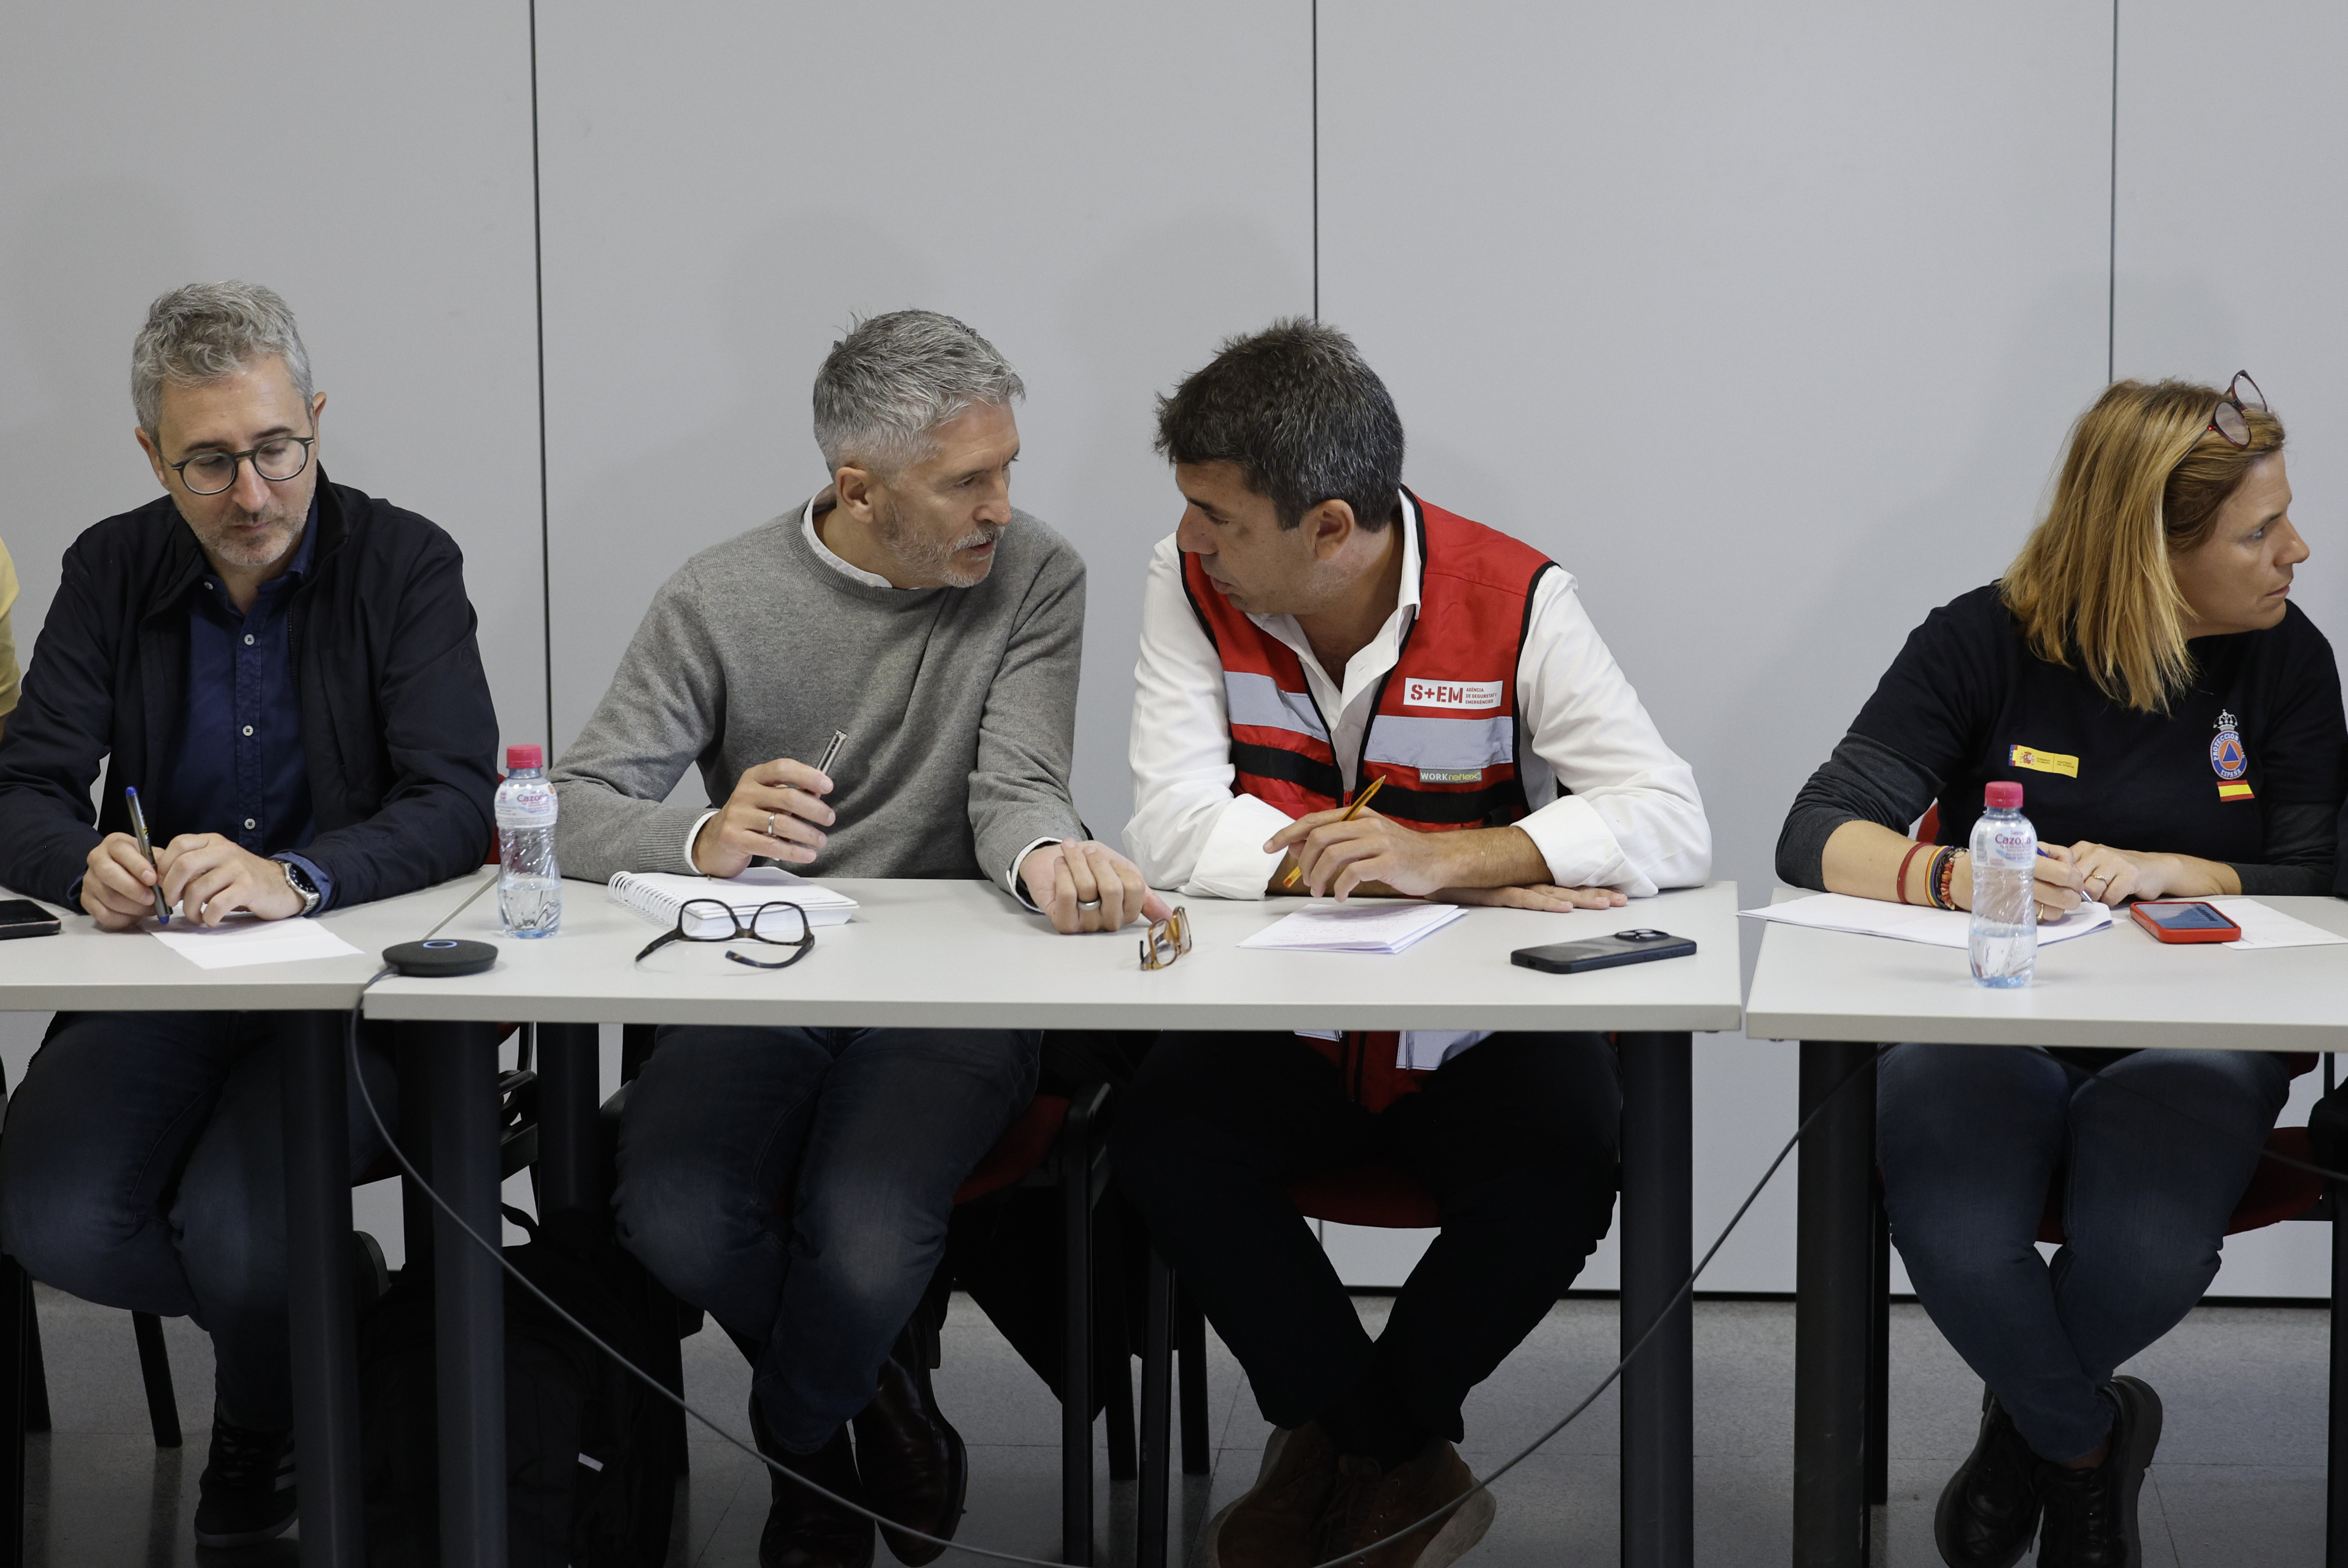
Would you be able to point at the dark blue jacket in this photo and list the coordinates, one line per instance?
(396, 725)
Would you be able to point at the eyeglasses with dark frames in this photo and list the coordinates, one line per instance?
(1166, 941)
(779, 924)
(277, 459)
(2231, 419)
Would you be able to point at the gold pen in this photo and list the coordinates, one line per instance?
(1351, 812)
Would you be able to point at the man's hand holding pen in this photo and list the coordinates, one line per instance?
(210, 877)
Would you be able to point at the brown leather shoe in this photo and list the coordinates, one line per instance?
(803, 1530)
(1273, 1523)
(915, 1469)
(1369, 1504)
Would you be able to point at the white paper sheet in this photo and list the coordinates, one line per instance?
(235, 943)
(2265, 927)
(1914, 922)
(1356, 927)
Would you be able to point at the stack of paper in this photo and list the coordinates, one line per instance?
(2266, 927)
(235, 943)
(1914, 922)
(1355, 927)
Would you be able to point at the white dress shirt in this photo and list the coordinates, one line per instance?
(1630, 818)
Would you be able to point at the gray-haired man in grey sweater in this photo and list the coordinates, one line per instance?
(910, 606)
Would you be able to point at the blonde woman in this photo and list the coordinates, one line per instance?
(2175, 724)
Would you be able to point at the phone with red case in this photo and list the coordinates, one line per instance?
(2185, 920)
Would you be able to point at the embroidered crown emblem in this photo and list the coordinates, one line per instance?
(2227, 721)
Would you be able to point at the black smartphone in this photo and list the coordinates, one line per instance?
(23, 917)
(1641, 945)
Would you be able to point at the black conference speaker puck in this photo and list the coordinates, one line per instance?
(440, 957)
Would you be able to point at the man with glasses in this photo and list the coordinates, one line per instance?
(285, 670)
(797, 1182)
(1310, 632)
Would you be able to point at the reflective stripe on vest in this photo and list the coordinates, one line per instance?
(1442, 732)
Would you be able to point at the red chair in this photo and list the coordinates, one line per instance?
(1056, 1143)
(2277, 1192)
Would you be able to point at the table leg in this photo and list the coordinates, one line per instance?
(1658, 1220)
(322, 1315)
(1834, 1271)
(568, 1161)
(1154, 1504)
(469, 1298)
(2335, 1491)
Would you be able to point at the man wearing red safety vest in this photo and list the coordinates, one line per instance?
(1312, 626)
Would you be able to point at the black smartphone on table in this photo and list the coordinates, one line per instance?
(23, 917)
(1640, 945)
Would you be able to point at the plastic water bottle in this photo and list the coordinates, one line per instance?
(530, 884)
(2006, 905)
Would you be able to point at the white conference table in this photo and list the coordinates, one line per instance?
(84, 969)
(963, 955)
(1843, 994)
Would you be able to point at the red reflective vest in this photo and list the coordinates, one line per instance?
(1442, 732)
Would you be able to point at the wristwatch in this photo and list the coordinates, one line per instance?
(299, 881)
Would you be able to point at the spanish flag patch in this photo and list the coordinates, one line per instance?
(2234, 791)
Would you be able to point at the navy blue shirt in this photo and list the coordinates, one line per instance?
(241, 770)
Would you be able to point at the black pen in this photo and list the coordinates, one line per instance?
(147, 847)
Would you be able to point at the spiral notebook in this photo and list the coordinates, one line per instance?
(658, 895)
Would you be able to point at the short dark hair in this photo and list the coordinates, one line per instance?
(1302, 414)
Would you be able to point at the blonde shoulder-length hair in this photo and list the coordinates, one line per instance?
(2142, 483)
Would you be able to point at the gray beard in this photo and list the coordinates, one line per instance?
(265, 552)
(923, 556)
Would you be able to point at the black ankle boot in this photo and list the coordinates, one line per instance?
(2091, 1514)
(246, 1493)
(1989, 1510)
(803, 1530)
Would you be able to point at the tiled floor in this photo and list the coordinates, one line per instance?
(2239, 1478)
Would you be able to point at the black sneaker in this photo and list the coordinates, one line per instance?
(247, 1487)
(1989, 1510)
(2091, 1514)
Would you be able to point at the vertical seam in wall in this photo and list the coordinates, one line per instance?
(2112, 228)
(538, 279)
(1316, 158)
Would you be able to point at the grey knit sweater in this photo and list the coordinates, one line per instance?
(959, 704)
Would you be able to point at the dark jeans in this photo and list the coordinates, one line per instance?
(2153, 1159)
(143, 1168)
(1518, 1139)
(863, 1134)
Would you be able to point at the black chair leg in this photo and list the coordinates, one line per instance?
(1190, 1344)
(1115, 1357)
(1078, 1184)
(1157, 1416)
(1879, 1393)
(36, 1369)
(15, 1360)
(155, 1370)
(2335, 1494)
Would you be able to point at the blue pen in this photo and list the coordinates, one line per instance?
(147, 847)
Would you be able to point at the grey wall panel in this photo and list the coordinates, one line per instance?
(373, 166)
(1766, 322)
(1102, 191)
(2233, 150)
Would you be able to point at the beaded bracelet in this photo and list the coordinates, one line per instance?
(1945, 877)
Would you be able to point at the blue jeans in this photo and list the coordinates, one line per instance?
(143, 1168)
(2153, 1158)
(860, 1136)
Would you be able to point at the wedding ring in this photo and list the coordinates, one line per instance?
(771, 824)
(1082, 904)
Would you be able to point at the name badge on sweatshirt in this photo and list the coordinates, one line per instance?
(1470, 694)
(2039, 762)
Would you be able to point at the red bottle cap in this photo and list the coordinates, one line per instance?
(2002, 796)
(535, 756)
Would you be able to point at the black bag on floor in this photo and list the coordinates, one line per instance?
(591, 1467)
